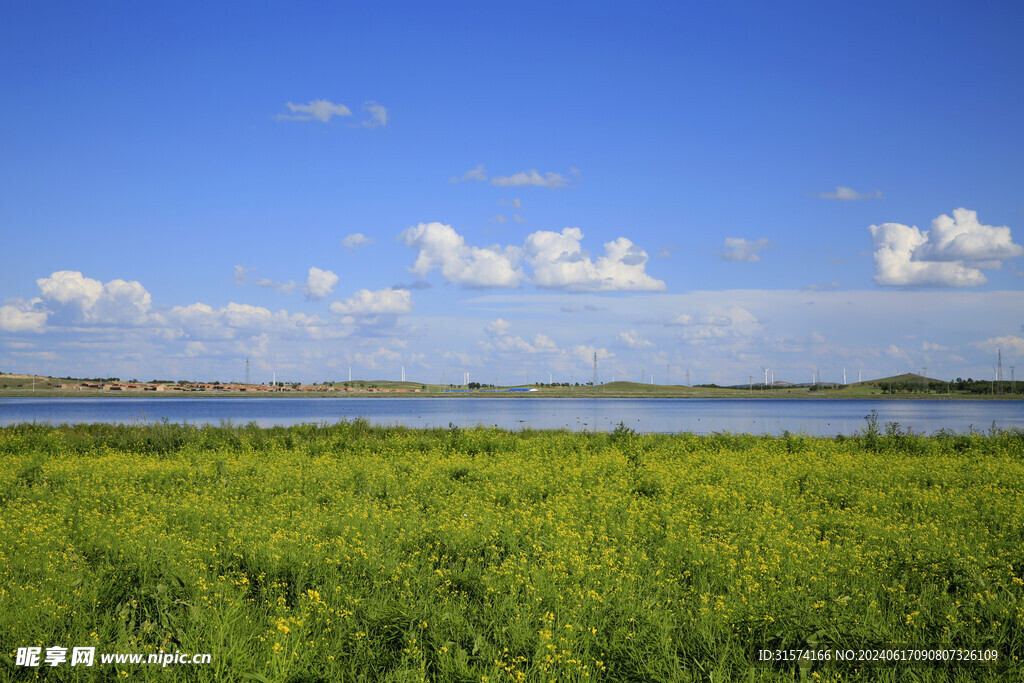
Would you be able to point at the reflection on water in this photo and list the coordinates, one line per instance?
(820, 417)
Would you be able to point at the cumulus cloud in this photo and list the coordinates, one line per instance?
(382, 301)
(739, 249)
(559, 262)
(557, 259)
(356, 240)
(847, 194)
(951, 254)
(440, 247)
(552, 181)
(204, 321)
(514, 203)
(319, 283)
(378, 115)
(17, 316)
(964, 238)
(316, 110)
(91, 301)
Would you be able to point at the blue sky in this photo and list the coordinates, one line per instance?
(678, 187)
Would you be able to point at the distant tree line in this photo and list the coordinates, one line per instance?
(987, 386)
(959, 385)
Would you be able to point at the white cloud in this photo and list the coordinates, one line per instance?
(356, 240)
(963, 238)
(559, 262)
(440, 247)
(498, 219)
(478, 174)
(19, 317)
(378, 115)
(532, 177)
(319, 110)
(847, 194)
(319, 283)
(514, 203)
(633, 340)
(584, 353)
(951, 254)
(244, 316)
(739, 249)
(497, 328)
(70, 287)
(91, 301)
(382, 301)
(203, 321)
(1009, 342)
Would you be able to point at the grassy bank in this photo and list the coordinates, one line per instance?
(350, 552)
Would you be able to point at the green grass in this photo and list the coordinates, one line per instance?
(350, 552)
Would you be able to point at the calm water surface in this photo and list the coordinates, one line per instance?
(765, 416)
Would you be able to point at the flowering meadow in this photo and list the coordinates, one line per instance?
(349, 552)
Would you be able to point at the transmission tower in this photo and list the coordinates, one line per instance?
(999, 374)
(247, 371)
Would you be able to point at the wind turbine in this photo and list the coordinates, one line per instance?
(765, 375)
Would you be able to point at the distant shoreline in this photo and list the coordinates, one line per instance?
(734, 395)
(908, 386)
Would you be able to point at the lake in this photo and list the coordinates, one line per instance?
(819, 417)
